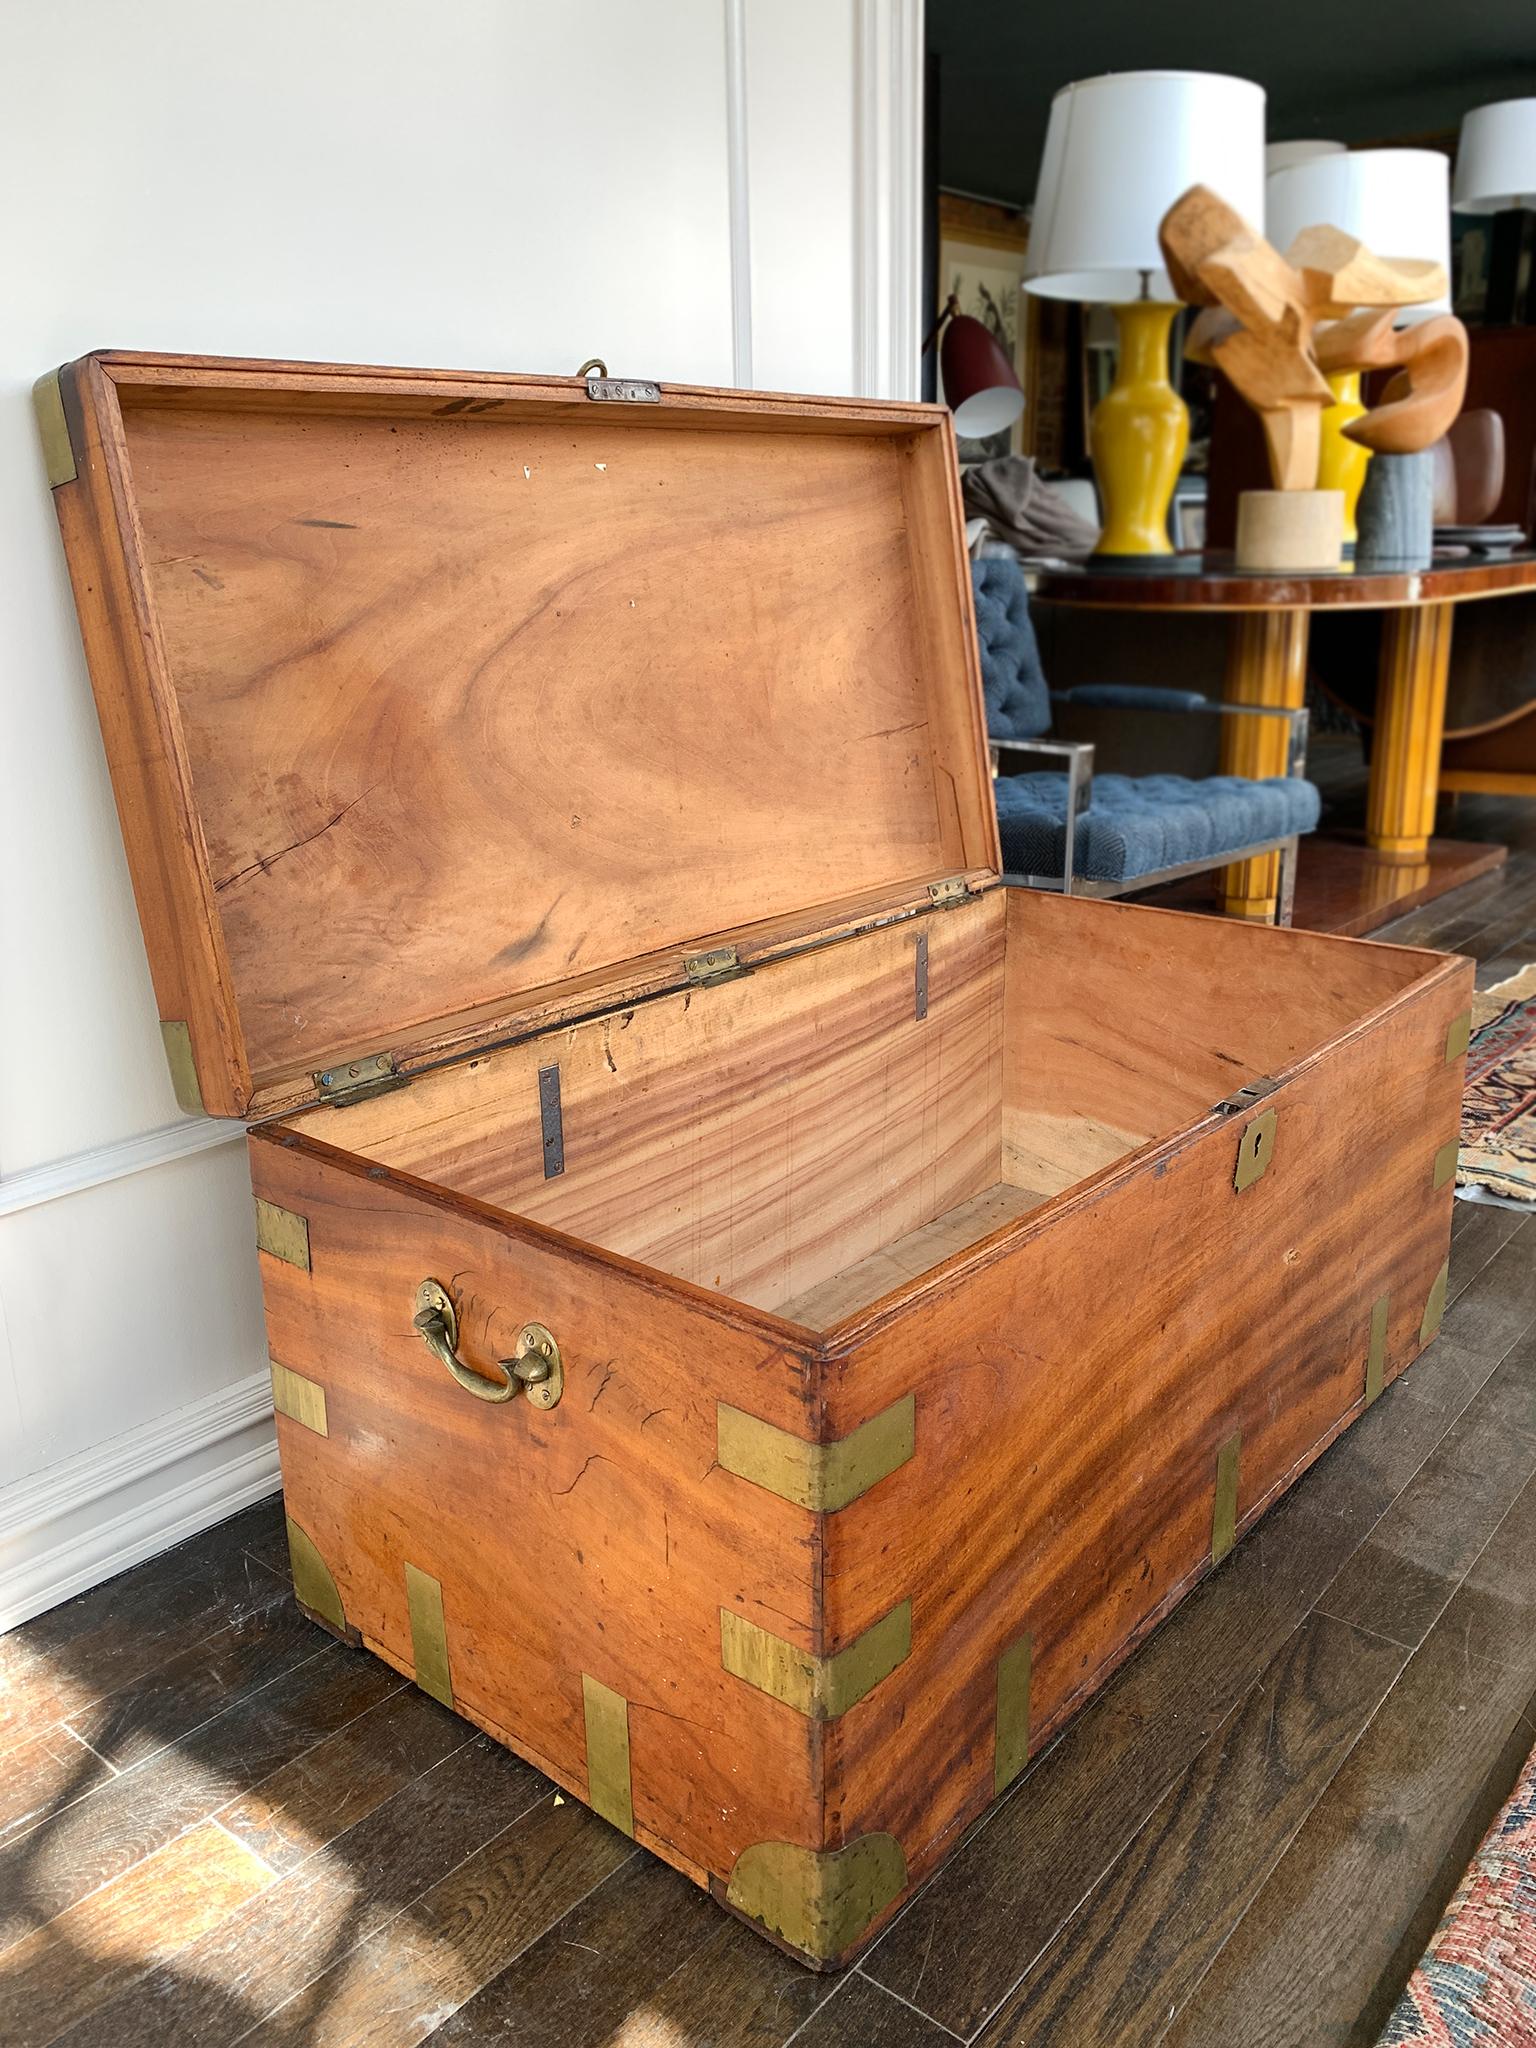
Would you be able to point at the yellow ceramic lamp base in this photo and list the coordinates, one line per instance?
(1139, 434)
(1341, 464)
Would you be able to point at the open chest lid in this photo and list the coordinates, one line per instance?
(442, 708)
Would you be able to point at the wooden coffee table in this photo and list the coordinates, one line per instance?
(1343, 884)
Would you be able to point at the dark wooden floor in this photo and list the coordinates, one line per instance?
(219, 1826)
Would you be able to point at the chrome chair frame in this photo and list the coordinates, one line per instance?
(1078, 755)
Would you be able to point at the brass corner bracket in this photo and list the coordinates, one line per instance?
(1376, 1359)
(820, 1476)
(819, 1901)
(313, 1586)
(300, 1399)
(821, 1687)
(610, 1791)
(1224, 1513)
(282, 1234)
(1434, 1308)
(53, 427)
(429, 1634)
(177, 1040)
(1014, 1674)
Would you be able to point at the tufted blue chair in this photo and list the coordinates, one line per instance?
(1103, 836)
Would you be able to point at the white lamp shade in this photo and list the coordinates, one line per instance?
(1496, 158)
(1118, 152)
(1396, 201)
(1279, 156)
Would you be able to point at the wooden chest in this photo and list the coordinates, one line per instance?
(763, 1318)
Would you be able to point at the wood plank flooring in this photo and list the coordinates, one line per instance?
(218, 1826)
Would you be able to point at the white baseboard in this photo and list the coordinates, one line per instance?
(91, 1516)
(116, 1161)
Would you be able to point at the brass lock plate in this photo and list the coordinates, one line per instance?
(1255, 1150)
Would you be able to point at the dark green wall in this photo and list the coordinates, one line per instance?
(1360, 70)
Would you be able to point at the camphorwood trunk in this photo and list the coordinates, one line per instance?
(873, 1296)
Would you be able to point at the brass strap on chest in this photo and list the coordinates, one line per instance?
(534, 1368)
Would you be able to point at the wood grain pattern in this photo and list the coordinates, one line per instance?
(101, 1667)
(1266, 1330)
(1145, 1936)
(1266, 664)
(1422, 401)
(1410, 723)
(861, 2013)
(189, 1689)
(52, 1867)
(1266, 337)
(1374, 1846)
(1017, 1881)
(818, 1107)
(1214, 585)
(909, 1257)
(1013, 1884)
(437, 678)
(1088, 1442)
(520, 612)
(40, 1777)
(398, 1986)
(470, 1876)
(1090, 1075)
(615, 1487)
(783, 1127)
(151, 775)
(1256, 326)
(1345, 889)
(1398, 1582)
(275, 1945)
(77, 1960)
(611, 1955)
(330, 1788)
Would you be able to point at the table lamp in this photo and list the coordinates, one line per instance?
(1396, 201)
(1119, 151)
(1496, 174)
(1279, 156)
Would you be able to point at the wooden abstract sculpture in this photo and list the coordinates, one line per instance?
(1263, 325)
(1423, 399)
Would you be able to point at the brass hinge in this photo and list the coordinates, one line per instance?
(952, 890)
(357, 1080)
(722, 964)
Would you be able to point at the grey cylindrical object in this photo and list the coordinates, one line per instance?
(1396, 516)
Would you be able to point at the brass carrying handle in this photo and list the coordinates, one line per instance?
(534, 1368)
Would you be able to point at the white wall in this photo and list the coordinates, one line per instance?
(708, 191)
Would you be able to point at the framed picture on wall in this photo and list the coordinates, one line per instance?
(981, 261)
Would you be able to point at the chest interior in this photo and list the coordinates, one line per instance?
(817, 1134)
(455, 721)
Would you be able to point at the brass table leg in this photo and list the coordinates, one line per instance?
(1410, 723)
(1266, 664)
